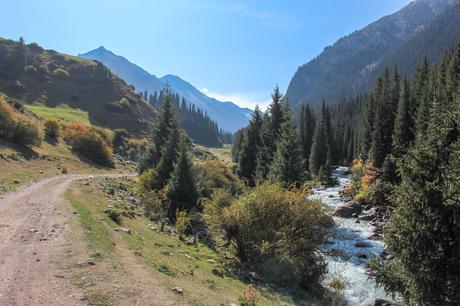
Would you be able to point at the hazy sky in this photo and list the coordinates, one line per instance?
(233, 50)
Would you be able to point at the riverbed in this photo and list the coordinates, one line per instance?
(349, 254)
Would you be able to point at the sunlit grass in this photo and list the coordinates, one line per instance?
(61, 113)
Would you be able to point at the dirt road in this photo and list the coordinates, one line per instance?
(33, 224)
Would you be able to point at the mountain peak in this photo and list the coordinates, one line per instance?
(229, 116)
(101, 48)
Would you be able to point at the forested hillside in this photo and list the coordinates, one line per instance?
(194, 121)
(352, 65)
(404, 140)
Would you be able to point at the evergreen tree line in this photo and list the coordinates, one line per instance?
(166, 168)
(277, 146)
(193, 120)
(408, 131)
(414, 130)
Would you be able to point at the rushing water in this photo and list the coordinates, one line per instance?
(360, 291)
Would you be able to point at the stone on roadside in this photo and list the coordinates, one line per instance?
(178, 290)
(126, 230)
(217, 273)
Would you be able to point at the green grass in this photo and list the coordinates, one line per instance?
(76, 58)
(171, 261)
(61, 112)
(98, 235)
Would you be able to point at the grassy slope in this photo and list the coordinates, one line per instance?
(26, 165)
(61, 113)
(83, 84)
(169, 260)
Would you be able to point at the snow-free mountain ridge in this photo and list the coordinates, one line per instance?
(228, 115)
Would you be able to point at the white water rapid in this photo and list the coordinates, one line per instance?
(359, 291)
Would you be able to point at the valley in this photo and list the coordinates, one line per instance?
(118, 187)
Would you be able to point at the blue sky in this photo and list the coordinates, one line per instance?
(233, 50)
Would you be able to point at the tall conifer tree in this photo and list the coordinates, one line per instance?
(182, 190)
(287, 162)
(247, 161)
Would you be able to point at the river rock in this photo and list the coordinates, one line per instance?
(348, 210)
(374, 237)
(362, 244)
(370, 214)
(383, 302)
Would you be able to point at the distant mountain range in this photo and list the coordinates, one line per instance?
(352, 64)
(228, 115)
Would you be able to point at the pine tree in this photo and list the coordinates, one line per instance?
(160, 134)
(237, 143)
(287, 162)
(384, 119)
(367, 126)
(331, 152)
(403, 132)
(276, 115)
(318, 155)
(182, 190)
(306, 130)
(249, 149)
(169, 156)
(421, 94)
(423, 230)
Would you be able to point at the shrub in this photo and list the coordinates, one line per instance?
(16, 127)
(8, 119)
(115, 215)
(104, 133)
(379, 192)
(153, 205)
(214, 174)
(336, 285)
(92, 144)
(120, 140)
(359, 197)
(52, 129)
(183, 222)
(249, 297)
(269, 226)
(27, 132)
(214, 208)
(61, 74)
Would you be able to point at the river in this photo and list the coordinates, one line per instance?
(359, 291)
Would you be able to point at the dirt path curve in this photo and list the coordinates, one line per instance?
(33, 224)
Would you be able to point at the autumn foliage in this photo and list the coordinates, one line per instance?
(91, 143)
(16, 127)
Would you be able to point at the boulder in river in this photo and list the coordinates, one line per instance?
(383, 302)
(374, 237)
(362, 244)
(348, 210)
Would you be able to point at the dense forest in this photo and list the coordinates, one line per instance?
(404, 138)
(193, 120)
